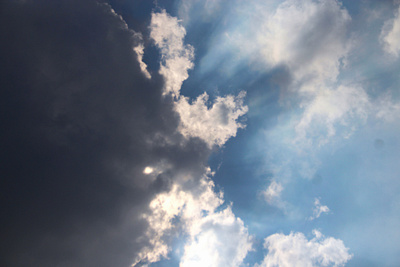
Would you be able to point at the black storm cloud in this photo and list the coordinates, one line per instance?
(79, 123)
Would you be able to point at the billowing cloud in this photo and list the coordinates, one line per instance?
(390, 35)
(218, 239)
(215, 124)
(190, 204)
(215, 238)
(295, 250)
(169, 205)
(176, 57)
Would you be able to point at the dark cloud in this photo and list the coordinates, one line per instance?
(79, 123)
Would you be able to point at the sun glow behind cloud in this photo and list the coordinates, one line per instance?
(200, 133)
(206, 227)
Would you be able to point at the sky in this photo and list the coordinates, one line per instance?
(260, 133)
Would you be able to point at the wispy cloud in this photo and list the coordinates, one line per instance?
(390, 34)
(273, 193)
(318, 209)
(331, 108)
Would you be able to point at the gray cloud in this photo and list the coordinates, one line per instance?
(80, 124)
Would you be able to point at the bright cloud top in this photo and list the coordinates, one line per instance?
(143, 66)
(220, 239)
(207, 228)
(176, 57)
(295, 250)
(215, 124)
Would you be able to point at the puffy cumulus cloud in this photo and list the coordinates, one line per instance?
(177, 57)
(310, 43)
(215, 124)
(390, 35)
(295, 250)
(217, 238)
(330, 107)
(318, 209)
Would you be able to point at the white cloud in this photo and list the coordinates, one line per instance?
(207, 228)
(390, 35)
(193, 206)
(318, 209)
(295, 250)
(167, 206)
(273, 193)
(139, 50)
(311, 42)
(329, 108)
(215, 124)
(176, 57)
(219, 239)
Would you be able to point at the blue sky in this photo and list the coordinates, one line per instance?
(201, 133)
(312, 125)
